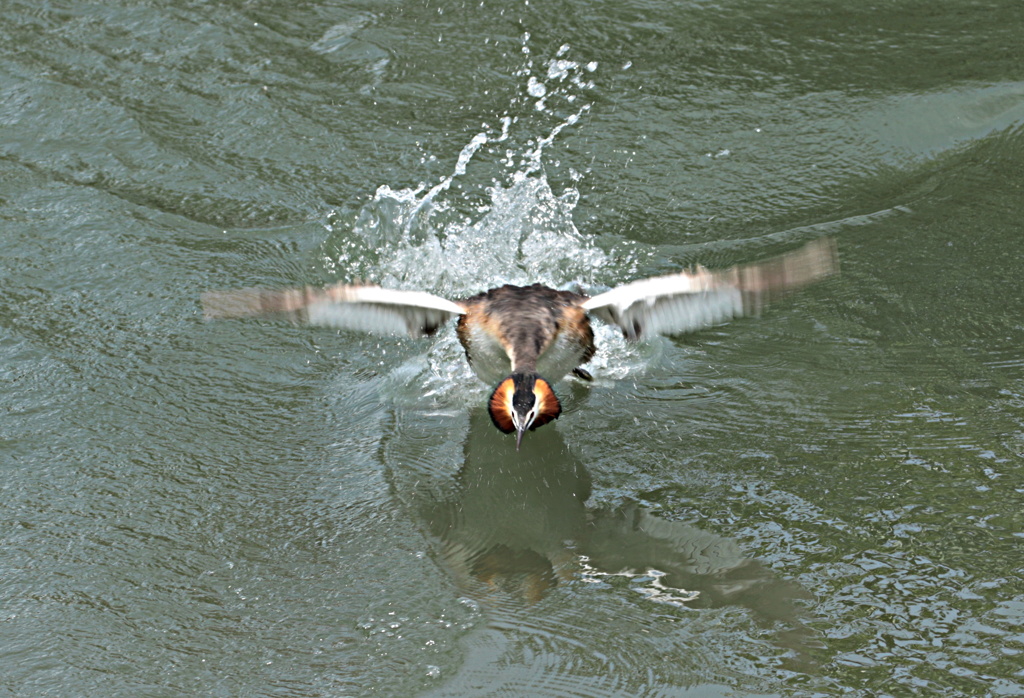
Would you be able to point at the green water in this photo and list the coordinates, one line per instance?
(824, 500)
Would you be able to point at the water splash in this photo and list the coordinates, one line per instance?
(456, 241)
(522, 232)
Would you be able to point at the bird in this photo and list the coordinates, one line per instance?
(522, 339)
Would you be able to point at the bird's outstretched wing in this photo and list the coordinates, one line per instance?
(697, 299)
(350, 307)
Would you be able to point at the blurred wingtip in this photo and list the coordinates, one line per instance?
(815, 261)
(822, 255)
(220, 305)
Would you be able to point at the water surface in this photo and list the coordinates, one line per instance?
(824, 500)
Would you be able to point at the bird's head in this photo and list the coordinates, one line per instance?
(521, 402)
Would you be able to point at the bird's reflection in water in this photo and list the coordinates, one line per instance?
(513, 521)
(517, 524)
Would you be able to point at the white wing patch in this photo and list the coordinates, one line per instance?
(694, 300)
(360, 308)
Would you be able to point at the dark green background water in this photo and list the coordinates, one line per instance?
(256, 509)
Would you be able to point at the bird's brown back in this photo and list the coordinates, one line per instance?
(526, 319)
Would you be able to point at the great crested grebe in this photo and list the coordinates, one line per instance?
(523, 338)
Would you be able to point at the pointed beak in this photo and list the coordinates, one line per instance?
(519, 437)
